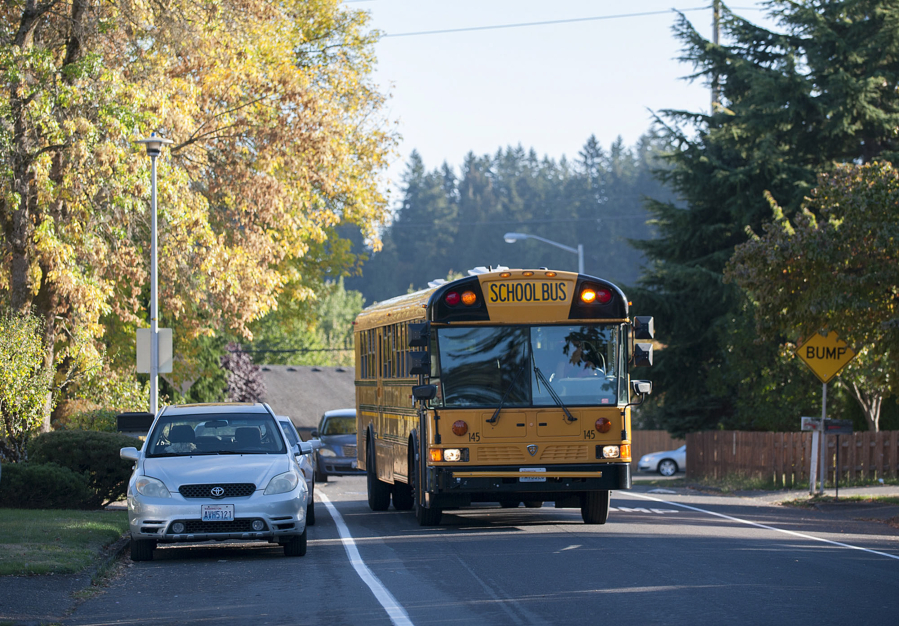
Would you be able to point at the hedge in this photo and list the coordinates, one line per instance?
(44, 486)
(93, 453)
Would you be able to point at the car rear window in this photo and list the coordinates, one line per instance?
(231, 433)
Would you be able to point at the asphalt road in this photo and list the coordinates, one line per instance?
(663, 558)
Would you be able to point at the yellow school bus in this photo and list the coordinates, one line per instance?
(509, 386)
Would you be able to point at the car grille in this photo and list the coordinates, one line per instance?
(196, 527)
(349, 450)
(232, 490)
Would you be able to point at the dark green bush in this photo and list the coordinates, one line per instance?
(91, 452)
(44, 486)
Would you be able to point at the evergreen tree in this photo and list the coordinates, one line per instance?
(793, 104)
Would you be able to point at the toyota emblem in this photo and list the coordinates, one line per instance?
(217, 492)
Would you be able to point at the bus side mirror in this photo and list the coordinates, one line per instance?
(419, 364)
(641, 387)
(642, 354)
(419, 335)
(424, 392)
(644, 327)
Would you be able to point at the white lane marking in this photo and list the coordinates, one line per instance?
(766, 527)
(624, 509)
(396, 612)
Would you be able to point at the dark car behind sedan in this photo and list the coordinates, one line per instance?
(337, 455)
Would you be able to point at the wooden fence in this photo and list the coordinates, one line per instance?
(783, 458)
(646, 441)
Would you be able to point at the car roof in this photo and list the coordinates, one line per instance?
(217, 408)
(340, 413)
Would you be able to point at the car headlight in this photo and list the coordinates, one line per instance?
(151, 487)
(327, 452)
(282, 483)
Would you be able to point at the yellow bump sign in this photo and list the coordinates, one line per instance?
(825, 355)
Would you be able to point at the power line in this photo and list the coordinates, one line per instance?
(543, 23)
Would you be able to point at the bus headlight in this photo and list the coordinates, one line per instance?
(610, 452)
(450, 455)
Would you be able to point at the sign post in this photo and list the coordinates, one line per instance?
(825, 354)
(838, 427)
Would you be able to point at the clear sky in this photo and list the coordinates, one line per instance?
(547, 87)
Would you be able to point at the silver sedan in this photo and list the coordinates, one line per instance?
(667, 463)
(216, 472)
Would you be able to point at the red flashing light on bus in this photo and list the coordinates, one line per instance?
(452, 298)
(603, 425)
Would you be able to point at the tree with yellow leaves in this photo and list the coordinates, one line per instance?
(278, 138)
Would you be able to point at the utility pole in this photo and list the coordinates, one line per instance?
(716, 37)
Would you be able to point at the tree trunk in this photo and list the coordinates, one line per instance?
(870, 403)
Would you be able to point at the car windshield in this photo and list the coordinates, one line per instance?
(339, 425)
(231, 433)
(480, 366)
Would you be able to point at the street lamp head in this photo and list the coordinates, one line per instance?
(154, 144)
(513, 237)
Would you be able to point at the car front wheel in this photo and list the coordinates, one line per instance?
(296, 546)
(142, 549)
(667, 468)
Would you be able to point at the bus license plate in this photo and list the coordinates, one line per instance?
(217, 512)
(532, 479)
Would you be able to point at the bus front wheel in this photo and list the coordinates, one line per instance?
(595, 508)
(425, 517)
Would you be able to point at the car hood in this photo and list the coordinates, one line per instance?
(198, 470)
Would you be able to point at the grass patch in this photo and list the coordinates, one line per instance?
(811, 501)
(734, 483)
(34, 541)
(660, 482)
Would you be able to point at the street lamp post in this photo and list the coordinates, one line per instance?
(579, 251)
(154, 149)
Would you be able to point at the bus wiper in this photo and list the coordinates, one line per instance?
(495, 417)
(555, 396)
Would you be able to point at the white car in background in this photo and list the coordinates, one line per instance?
(667, 463)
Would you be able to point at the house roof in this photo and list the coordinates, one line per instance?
(304, 392)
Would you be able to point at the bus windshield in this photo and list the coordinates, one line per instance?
(479, 366)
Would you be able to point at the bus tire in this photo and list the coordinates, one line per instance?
(533, 504)
(378, 491)
(595, 507)
(425, 517)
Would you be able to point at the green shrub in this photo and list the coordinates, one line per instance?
(91, 452)
(44, 486)
(98, 419)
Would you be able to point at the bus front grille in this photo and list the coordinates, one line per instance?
(564, 453)
(500, 454)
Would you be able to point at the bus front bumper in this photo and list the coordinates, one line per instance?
(544, 480)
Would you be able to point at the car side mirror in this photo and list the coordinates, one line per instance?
(129, 454)
(314, 434)
(305, 447)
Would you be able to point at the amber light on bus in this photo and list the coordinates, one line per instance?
(469, 298)
(603, 425)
